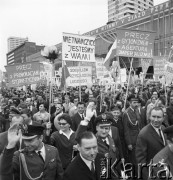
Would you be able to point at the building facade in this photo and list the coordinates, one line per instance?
(19, 54)
(158, 19)
(118, 9)
(14, 42)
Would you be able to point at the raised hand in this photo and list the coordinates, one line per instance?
(14, 135)
(89, 111)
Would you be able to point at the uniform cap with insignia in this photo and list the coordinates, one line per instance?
(31, 131)
(104, 119)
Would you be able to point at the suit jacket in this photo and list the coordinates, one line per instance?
(112, 150)
(165, 156)
(131, 126)
(76, 119)
(117, 141)
(169, 112)
(148, 145)
(3, 140)
(51, 168)
(78, 170)
(142, 119)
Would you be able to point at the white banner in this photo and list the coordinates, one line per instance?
(169, 73)
(79, 76)
(123, 75)
(100, 68)
(78, 48)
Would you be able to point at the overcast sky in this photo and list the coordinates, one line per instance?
(43, 21)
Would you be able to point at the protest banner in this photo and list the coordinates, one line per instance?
(169, 73)
(145, 63)
(79, 76)
(159, 65)
(135, 43)
(23, 74)
(101, 70)
(76, 47)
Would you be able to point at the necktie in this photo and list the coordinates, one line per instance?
(82, 116)
(92, 167)
(160, 134)
(39, 153)
(106, 143)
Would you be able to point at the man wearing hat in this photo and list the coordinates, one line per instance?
(131, 121)
(106, 145)
(165, 156)
(36, 161)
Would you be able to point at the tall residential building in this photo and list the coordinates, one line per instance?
(118, 9)
(14, 42)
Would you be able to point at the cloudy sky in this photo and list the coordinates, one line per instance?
(43, 21)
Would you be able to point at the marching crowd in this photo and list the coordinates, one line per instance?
(94, 135)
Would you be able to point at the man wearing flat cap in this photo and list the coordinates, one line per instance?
(36, 161)
(131, 121)
(164, 158)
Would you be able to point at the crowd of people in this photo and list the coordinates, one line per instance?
(86, 133)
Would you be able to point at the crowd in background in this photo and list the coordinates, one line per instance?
(130, 115)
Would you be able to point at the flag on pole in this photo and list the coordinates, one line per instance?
(65, 74)
(111, 54)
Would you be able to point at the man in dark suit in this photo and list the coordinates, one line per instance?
(88, 163)
(79, 116)
(150, 139)
(30, 108)
(106, 144)
(37, 160)
(165, 156)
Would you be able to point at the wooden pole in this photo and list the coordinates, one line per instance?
(128, 83)
(80, 81)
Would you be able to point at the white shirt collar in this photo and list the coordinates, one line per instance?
(68, 136)
(106, 139)
(87, 162)
(43, 152)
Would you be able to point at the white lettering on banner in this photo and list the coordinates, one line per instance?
(134, 43)
(78, 48)
(25, 74)
(24, 67)
(29, 80)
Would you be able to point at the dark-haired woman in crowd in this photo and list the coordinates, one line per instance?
(64, 140)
